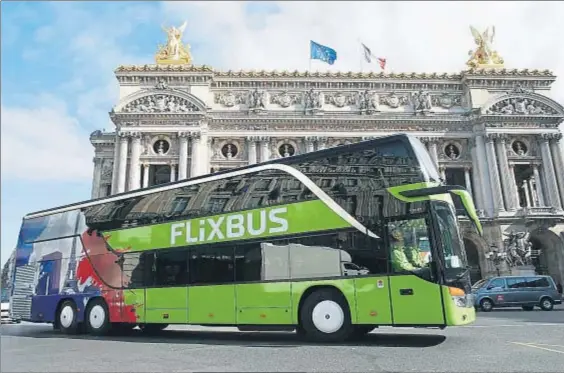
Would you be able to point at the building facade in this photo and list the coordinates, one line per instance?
(492, 130)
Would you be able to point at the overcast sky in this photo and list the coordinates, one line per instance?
(58, 60)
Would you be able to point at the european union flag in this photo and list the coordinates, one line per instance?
(321, 52)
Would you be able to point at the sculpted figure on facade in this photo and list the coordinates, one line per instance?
(285, 99)
(161, 84)
(518, 248)
(159, 104)
(257, 99)
(421, 101)
(484, 54)
(312, 99)
(520, 106)
(174, 51)
(229, 99)
(368, 102)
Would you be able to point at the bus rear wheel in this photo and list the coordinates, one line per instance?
(325, 317)
(98, 317)
(67, 320)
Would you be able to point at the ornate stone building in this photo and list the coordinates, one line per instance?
(494, 131)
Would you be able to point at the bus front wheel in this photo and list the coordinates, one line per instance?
(97, 317)
(325, 316)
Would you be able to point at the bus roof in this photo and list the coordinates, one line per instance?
(404, 137)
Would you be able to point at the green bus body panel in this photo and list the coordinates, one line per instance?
(424, 307)
(373, 304)
(167, 305)
(468, 203)
(212, 304)
(456, 316)
(372, 300)
(264, 303)
(301, 217)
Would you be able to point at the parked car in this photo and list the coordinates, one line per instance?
(516, 291)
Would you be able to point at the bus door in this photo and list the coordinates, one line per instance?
(415, 295)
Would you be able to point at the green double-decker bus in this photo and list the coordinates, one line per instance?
(332, 244)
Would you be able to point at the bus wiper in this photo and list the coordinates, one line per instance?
(463, 273)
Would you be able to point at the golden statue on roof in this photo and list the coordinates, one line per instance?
(484, 56)
(174, 52)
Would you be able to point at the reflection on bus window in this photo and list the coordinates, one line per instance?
(409, 242)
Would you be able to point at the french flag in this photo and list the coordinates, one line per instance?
(368, 56)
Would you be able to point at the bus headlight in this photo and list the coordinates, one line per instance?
(459, 297)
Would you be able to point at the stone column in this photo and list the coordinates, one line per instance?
(549, 173)
(172, 172)
(321, 142)
(96, 178)
(476, 178)
(134, 172)
(531, 190)
(513, 182)
(494, 174)
(558, 158)
(509, 190)
(468, 181)
(538, 186)
(115, 166)
(183, 155)
(195, 136)
(204, 159)
(485, 185)
(122, 169)
(145, 175)
(433, 151)
(264, 150)
(252, 149)
(525, 187)
(309, 144)
(442, 171)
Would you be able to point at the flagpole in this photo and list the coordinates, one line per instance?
(361, 62)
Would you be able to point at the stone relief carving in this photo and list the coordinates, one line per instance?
(368, 102)
(107, 169)
(446, 101)
(340, 99)
(312, 100)
(229, 150)
(161, 84)
(520, 106)
(229, 98)
(285, 99)
(394, 101)
(518, 248)
(519, 148)
(161, 147)
(421, 101)
(257, 99)
(160, 103)
(452, 151)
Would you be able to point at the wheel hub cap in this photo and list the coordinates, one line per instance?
(97, 316)
(328, 316)
(67, 316)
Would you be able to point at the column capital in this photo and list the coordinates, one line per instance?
(97, 161)
(264, 138)
(545, 137)
(184, 134)
(252, 139)
(367, 138)
(467, 168)
(195, 136)
(321, 138)
(145, 164)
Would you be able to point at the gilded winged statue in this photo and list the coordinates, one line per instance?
(484, 55)
(174, 52)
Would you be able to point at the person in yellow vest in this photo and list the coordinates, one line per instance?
(399, 259)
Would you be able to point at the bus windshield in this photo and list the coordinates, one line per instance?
(455, 261)
(5, 297)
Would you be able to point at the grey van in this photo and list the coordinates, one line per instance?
(515, 291)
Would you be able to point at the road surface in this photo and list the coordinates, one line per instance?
(500, 341)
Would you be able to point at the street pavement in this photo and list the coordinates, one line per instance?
(500, 341)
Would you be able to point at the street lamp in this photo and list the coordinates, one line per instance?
(496, 257)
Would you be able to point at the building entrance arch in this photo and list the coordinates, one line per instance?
(473, 256)
(548, 254)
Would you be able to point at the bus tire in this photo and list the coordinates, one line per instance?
(67, 317)
(97, 317)
(325, 317)
(362, 330)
